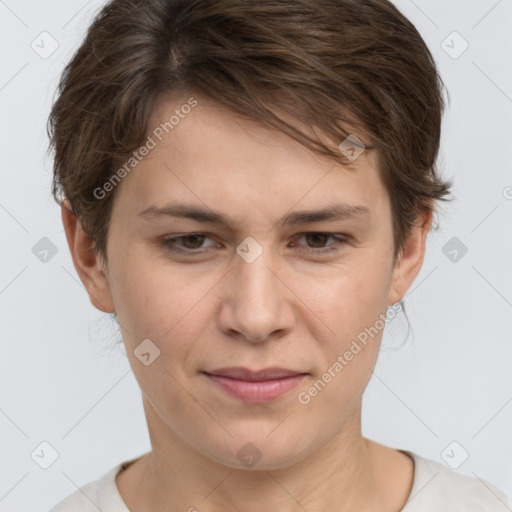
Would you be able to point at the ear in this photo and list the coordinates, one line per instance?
(410, 259)
(90, 267)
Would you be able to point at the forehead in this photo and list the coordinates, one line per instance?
(215, 157)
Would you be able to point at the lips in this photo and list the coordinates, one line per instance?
(256, 387)
(244, 374)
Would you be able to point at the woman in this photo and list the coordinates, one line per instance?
(248, 187)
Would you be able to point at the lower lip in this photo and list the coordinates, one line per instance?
(259, 391)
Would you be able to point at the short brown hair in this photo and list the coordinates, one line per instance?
(342, 66)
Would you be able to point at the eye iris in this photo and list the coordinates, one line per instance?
(315, 236)
(196, 238)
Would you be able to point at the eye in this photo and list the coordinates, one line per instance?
(190, 243)
(318, 241)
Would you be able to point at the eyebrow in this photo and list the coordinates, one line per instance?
(331, 213)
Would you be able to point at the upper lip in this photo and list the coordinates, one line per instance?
(241, 373)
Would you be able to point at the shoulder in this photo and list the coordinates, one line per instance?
(436, 487)
(101, 494)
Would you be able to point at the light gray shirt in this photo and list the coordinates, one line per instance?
(436, 488)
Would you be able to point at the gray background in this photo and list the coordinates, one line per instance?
(451, 381)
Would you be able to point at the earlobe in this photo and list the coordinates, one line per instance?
(410, 259)
(89, 265)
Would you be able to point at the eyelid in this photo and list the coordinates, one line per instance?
(340, 238)
(166, 241)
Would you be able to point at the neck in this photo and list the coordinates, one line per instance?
(337, 476)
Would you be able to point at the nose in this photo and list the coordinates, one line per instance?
(256, 302)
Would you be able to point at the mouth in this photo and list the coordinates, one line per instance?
(241, 373)
(255, 386)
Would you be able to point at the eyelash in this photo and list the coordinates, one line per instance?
(169, 243)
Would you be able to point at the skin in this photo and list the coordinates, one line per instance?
(287, 308)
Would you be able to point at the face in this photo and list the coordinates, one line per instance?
(266, 287)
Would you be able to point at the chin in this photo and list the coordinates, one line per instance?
(259, 452)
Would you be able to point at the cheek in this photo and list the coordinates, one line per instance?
(353, 305)
(157, 301)
(169, 308)
(351, 297)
